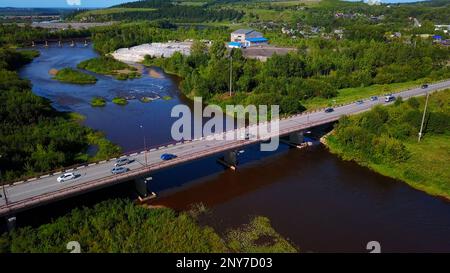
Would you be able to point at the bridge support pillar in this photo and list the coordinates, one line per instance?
(295, 139)
(11, 222)
(230, 159)
(141, 186)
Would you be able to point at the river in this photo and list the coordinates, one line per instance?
(317, 201)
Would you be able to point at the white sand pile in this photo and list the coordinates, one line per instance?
(137, 53)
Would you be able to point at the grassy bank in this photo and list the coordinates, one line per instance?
(385, 140)
(109, 66)
(69, 75)
(121, 226)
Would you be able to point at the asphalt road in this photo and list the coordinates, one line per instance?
(29, 192)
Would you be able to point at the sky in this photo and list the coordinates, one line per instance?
(60, 3)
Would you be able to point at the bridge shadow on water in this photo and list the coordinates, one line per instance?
(165, 183)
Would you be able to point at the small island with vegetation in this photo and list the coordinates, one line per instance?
(98, 102)
(107, 65)
(120, 101)
(70, 75)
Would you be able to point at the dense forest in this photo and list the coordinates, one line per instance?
(158, 9)
(385, 139)
(120, 226)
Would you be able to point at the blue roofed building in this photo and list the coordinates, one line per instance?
(247, 38)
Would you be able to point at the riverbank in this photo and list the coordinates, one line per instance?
(395, 151)
(134, 228)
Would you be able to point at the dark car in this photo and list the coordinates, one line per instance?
(359, 102)
(119, 170)
(373, 98)
(425, 86)
(329, 110)
(168, 156)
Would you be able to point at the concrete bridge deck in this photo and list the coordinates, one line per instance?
(45, 189)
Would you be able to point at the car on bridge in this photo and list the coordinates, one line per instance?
(66, 177)
(166, 157)
(119, 170)
(329, 110)
(122, 161)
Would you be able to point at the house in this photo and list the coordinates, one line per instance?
(247, 38)
(437, 38)
(443, 28)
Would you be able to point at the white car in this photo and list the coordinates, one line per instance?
(66, 177)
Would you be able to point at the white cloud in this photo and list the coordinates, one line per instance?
(74, 2)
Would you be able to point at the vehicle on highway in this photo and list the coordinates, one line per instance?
(373, 98)
(122, 161)
(119, 170)
(389, 98)
(168, 156)
(329, 110)
(66, 177)
(425, 86)
(359, 102)
(247, 136)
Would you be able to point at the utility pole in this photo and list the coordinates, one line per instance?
(231, 73)
(145, 144)
(423, 117)
(3, 186)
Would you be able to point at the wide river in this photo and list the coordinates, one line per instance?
(317, 201)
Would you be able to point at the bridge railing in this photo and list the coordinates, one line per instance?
(112, 179)
(58, 171)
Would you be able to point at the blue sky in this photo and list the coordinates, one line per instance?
(60, 3)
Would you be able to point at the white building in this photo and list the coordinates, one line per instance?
(246, 38)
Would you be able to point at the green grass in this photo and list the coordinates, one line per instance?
(258, 237)
(109, 66)
(348, 95)
(427, 167)
(120, 101)
(105, 148)
(69, 75)
(98, 102)
(120, 226)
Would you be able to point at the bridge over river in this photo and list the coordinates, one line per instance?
(44, 189)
